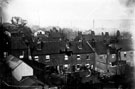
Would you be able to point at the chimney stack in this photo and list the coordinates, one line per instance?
(80, 44)
(106, 34)
(92, 33)
(102, 33)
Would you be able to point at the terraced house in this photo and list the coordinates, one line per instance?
(58, 53)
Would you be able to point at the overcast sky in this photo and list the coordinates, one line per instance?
(72, 13)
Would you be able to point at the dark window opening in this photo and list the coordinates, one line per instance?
(125, 55)
(88, 57)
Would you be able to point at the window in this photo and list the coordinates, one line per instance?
(113, 55)
(87, 57)
(80, 40)
(87, 65)
(5, 54)
(80, 46)
(67, 46)
(22, 56)
(30, 57)
(66, 57)
(125, 54)
(36, 58)
(78, 67)
(101, 57)
(96, 68)
(78, 57)
(47, 57)
(66, 66)
(39, 45)
(110, 63)
(92, 66)
(113, 64)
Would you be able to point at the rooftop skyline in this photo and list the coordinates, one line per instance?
(79, 14)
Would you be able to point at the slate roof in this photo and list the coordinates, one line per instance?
(125, 44)
(55, 47)
(87, 36)
(55, 35)
(96, 37)
(85, 48)
(17, 43)
(100, 47)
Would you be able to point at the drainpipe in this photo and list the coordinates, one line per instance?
(107, 60)
(29, 53)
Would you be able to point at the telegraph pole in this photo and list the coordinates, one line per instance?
(93, 23)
